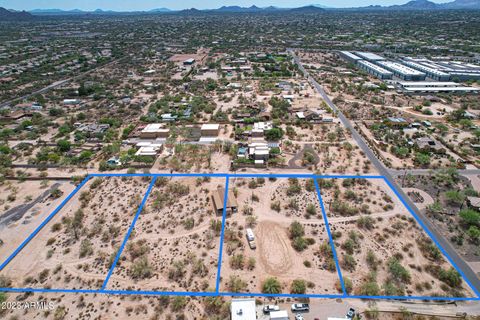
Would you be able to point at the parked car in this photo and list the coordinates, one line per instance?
(303, 307)
(350, 313)
(299, 317)
(269, 308)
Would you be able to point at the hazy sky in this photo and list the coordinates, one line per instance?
(125, 5)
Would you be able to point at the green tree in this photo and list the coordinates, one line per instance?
(272, 286)
(274, 134)
(64, 145)
(298, 287)
(470, 217)
(296, 230)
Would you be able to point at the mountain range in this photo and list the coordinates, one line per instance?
(411, 5)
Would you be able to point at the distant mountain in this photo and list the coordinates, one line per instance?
(7, 15)
(160, 10)
(314, 8)
(462, 4)
(416, 5)
(190, 11)
(307, 9)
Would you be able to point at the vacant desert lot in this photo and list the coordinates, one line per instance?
(292, 253)
(76, 248)
(25, 206)
(175, 243)
(381, 248)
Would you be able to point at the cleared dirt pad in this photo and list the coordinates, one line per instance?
(274, 247)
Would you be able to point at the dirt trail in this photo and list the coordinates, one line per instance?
(275, 251)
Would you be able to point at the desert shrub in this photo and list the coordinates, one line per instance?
(429, 249)
(311, 209)
(199, 268)
(451, 277)
(349, 246)
(298, 286)
(236, 284)
(275, 205)
(237, 261)
(137, 249)
(178, 303)
(392, 289)
(470, 217)
(272, 286)
(43, 275)
(397, 271)
(56, 227)
(296, 230)
(189, 223)
(176, 271)
(343, 208)
(251, 263)
(369, 288)
(348, 262)
(216, 226)
(366, 222)
(60, 313)
(177, 189)
(5, 281)
(372, 260)
(251, 221)
(141, 268)
(299, 243)
(86, 248)
(310, 185)
(348, 285)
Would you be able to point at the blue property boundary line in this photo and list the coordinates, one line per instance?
(232, 294)
(238, 175)
(222, 235)
(127, 236)
(217, 289)
(40, 227)
(332, 245)
(430, 234)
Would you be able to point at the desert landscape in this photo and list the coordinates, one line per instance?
(175, 242)
(292, 253)
(76, 248)
(382, 250)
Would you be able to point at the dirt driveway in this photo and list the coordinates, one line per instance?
(275, 250)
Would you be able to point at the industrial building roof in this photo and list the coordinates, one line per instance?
(375, 67)
(369, 56)
(350, 55)
(400, 68)
(425, 68)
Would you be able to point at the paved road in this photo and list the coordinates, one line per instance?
(16, 213)
(460, 263)
(56, 84)
(421, 172)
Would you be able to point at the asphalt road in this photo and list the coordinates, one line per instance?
(421, 172)
(468, 273)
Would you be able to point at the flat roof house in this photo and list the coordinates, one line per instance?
(243, 309)
(154, 131)
(428, 144)
(218, 198)
(210, 130)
